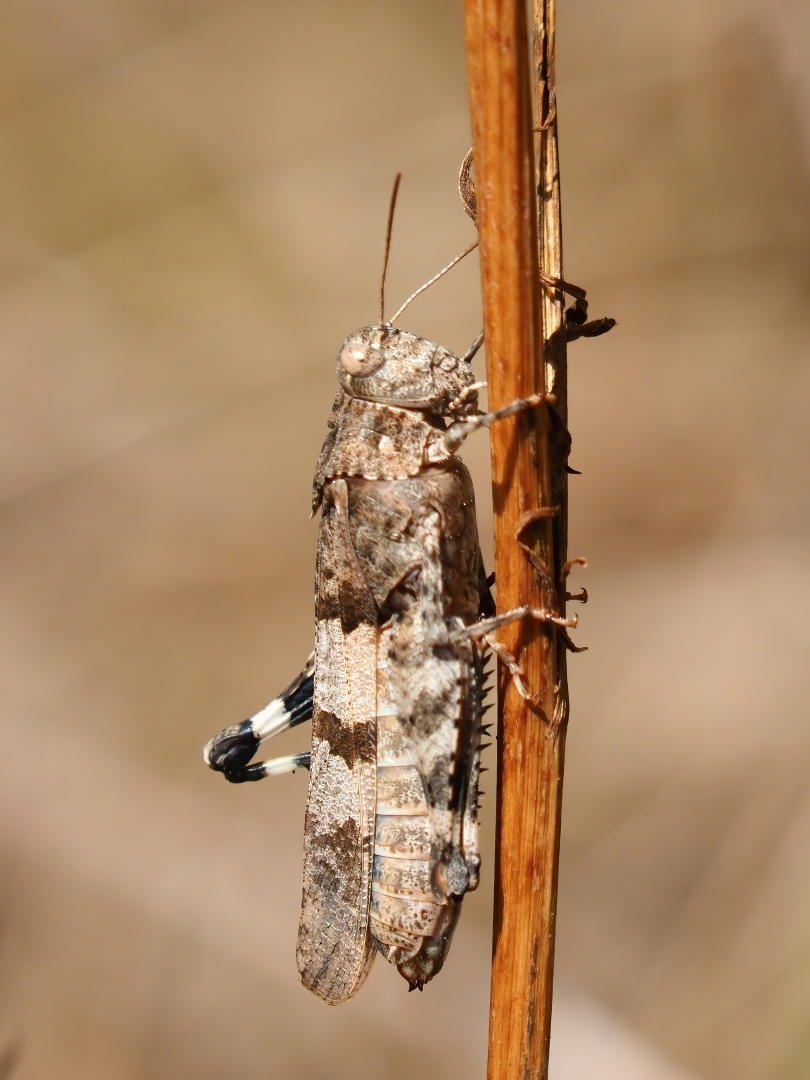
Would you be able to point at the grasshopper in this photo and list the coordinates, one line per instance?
(396, 684)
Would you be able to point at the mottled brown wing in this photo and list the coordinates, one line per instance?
(334, 947)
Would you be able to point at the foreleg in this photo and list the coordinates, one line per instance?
(231, 750)
(462, 429)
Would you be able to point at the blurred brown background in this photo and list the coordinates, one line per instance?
(192, 202)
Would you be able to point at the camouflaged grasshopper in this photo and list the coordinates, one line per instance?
(395, 686)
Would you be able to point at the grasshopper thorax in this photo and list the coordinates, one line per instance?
(392, 367)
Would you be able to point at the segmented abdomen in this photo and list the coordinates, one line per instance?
(403, 908)
(408, 924)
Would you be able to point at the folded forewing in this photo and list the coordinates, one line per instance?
(334, 948)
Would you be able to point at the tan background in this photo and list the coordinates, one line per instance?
(192, 198)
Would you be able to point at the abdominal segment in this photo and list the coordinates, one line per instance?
(411, 918)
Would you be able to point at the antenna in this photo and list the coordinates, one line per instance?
(434, 279)
(388, 246)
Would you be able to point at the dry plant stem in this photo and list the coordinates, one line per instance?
(548, 199)
(530, 736)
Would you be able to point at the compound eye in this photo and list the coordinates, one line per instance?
(360, 359)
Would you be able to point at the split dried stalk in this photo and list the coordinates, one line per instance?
(526, 477)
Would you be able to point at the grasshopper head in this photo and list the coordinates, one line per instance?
(392, 367)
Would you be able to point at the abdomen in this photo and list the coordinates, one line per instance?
(409, 924)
